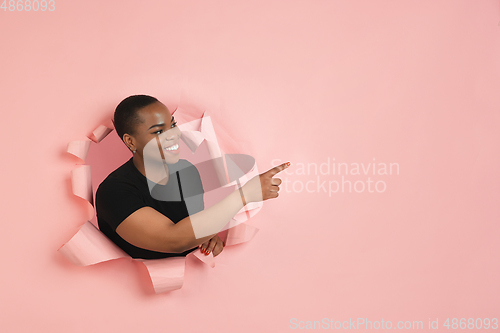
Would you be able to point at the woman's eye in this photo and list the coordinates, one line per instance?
(174, 124)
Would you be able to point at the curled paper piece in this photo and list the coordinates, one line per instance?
(90, 246)
(79, 149)
(81, 180)
(166, 274)
(100, 133)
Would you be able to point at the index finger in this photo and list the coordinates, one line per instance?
(277, 169)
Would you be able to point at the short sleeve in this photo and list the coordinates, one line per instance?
(116, 200)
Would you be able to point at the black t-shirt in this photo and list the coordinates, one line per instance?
(126, 190)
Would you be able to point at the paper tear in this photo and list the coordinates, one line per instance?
(90, 246)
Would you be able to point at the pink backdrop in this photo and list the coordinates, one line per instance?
(413, 83)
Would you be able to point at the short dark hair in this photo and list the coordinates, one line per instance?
(126, 117)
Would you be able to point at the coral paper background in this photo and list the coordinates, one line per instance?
(409, 82)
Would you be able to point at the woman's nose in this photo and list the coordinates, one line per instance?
(173, 134)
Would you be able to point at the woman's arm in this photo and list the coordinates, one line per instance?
(149, 229)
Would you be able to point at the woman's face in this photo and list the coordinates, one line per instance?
(157, 137)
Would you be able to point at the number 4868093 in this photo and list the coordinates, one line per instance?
(28, 5)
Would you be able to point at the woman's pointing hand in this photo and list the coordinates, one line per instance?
(263, 186)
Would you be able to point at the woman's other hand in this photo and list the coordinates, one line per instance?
(214, 245)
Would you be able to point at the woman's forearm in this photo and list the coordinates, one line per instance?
(200, 227)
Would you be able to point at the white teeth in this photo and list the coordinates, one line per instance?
(174, 147)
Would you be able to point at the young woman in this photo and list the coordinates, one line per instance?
(149, 227)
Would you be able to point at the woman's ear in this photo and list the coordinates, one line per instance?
(129, 142)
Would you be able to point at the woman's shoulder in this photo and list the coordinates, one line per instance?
(123, 176)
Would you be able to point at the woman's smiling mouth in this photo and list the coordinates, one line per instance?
(174, 149)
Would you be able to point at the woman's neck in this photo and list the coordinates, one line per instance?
(157, 171)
